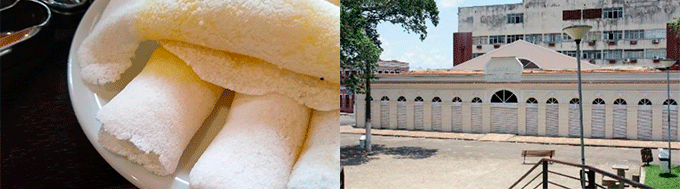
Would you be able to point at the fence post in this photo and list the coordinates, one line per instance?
(545, 174)
(591, 179)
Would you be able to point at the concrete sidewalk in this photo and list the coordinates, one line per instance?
(495, 137)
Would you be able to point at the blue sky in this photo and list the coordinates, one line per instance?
(435, 52)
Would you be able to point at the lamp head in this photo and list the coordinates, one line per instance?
(577, 32)
(668, 62)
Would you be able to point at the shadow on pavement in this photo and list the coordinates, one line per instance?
(355, 155)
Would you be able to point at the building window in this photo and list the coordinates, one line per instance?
(532, 101)
(571, 14)
(635, 34)
(475, 55)
(566, 37)
(569, 53)
(516, 18)
(419, 99)
(613, 54)
(457, 99)
(612, 35)
(574, 101)
(480, 40)
(634, 54)
(513, 38)
(503, 96)
(598, 101)
(645, 101)
(476, 100)
(534, 38)
(436, 99)
(553, 38)
(655, 53)
(497, 39)
(528, 64)
(594, 35)
(592, 13)
(620, 102)
(615, 12)
(592, 55)
(655, 34)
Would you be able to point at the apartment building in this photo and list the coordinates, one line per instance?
(625, 33)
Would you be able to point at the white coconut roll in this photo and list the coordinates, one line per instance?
(257, 147)
(152, 120)
(318, 166)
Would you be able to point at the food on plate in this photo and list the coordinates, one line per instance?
(317, 166)
(280, 58)
(257, 147)
(152, 120)
(302, 36)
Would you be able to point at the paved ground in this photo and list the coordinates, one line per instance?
(417, 159)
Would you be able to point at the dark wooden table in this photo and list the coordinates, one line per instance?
(42, 144)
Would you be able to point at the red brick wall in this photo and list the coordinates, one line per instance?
(346, 102)
(462, 47)
(672, 47)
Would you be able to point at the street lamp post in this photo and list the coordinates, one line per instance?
(668, 63)
(577, 33)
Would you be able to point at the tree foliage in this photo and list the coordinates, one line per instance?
(360, 46)
(675, 25)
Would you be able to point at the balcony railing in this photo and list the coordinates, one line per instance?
(590, 174)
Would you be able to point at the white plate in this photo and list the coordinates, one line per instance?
(87, 99)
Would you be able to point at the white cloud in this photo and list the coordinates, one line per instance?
(424, 59)
(449, 3)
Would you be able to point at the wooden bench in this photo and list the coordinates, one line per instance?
(536, 153)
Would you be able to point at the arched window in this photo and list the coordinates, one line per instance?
(528, 64)
(574, 101)
(573, 122)
(476, 100)
(598, 101)
(419, 99)
(645, 102)
(644, 120)
(384, 112)
(532, 101)
(436, 99)
(552, 117)
(620, 126)
(401, 112)
(531, 116)
(671, 105)
(456, 115)
(620, 102)
(503, 96)
(476, 115)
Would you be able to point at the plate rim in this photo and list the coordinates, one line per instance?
(91, 17)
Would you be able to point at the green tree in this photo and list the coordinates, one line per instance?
(360, 47)
(675, 25)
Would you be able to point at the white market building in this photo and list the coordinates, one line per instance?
(526, 89)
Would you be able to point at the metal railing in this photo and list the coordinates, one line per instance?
(590, 172)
